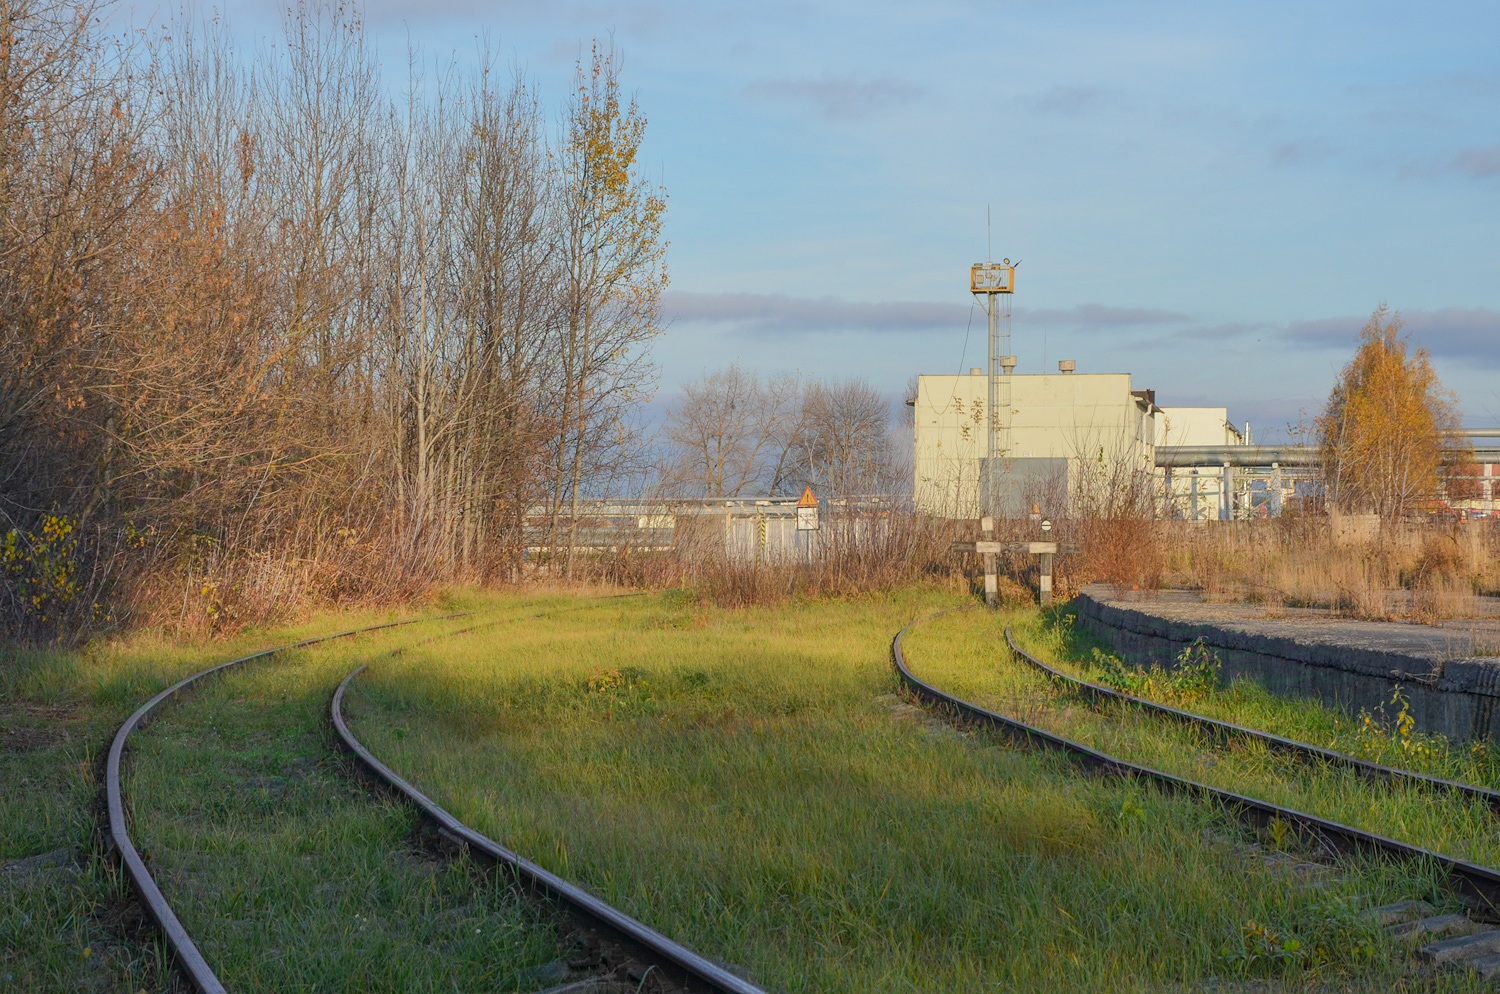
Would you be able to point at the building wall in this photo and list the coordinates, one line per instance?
(1196, 426)
(1060, 425)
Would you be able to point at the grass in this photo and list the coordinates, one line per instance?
(67, 922)
(1387, 735)
(749, 783)
(746, 780)
(964, 654)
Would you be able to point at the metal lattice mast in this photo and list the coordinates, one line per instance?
(995, 284)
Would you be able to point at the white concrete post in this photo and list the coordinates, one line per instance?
(991, 582)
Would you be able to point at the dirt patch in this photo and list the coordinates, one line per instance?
(28, 727)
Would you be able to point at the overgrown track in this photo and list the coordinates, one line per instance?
(1478, 885)
(682, 964)
(183, 949)
(1224, 731)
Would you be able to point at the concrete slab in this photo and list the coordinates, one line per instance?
(1395, 914)
(1464, 949)
(1347, 664)
(1434, 928)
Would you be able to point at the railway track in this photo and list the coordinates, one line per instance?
(184, 950)
(1224, 731)
(1462, 940)
(688, 969)
(680, 963)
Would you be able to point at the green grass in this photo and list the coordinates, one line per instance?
(749, 783)
(965, 654)
(1385, 736)
(70, 924)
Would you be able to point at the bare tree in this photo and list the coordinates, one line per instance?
(732, 433)
(612, 251)
(845, 448)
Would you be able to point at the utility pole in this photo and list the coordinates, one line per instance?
(993, 284)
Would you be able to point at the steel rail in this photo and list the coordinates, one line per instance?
(1478, 884)
(183, 949)
(698, 972)
(1226, 730)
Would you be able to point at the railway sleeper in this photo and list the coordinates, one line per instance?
(1460, 942)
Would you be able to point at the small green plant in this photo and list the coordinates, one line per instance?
(621, 693)
(1195, 674)
(1264, 950)
(1394, 738)
(1197, 670)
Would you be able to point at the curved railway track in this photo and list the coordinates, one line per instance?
(681, 963)
(688, 968)
(1478, 885)
(1224, 731)
(184, 950)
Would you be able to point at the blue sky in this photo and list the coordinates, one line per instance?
(1212, 197)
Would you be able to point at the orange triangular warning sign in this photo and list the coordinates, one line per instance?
(808, 500)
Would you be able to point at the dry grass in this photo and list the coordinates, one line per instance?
(855, 554)
(1413, 572)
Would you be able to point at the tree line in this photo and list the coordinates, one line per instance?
(266, 332)
(269, 333)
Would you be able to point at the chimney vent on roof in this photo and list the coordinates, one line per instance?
(1066, 365)
(975, 371)
(1007, 364)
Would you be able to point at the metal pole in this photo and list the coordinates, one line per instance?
(992, 414)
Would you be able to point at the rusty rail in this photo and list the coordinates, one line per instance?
(1225, 730)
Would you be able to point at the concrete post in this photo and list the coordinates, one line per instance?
(1226, 494)
(991, 582)
(1044, 593)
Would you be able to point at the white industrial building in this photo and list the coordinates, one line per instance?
(1066, 437)
(1062, 435)
(1197, 493)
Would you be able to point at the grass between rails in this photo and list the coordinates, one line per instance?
(748, 783)
(67, 921)
(961, 653)
(1387, 736)
(290, 873)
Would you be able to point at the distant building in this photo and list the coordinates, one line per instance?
(1197, 493)
(1065, 434)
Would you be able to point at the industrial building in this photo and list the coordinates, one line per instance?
(1063, 436)
(998, 442)
(1071, 437)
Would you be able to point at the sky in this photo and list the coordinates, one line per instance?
(1211, 197)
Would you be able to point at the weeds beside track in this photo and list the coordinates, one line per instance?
(1134, 734)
